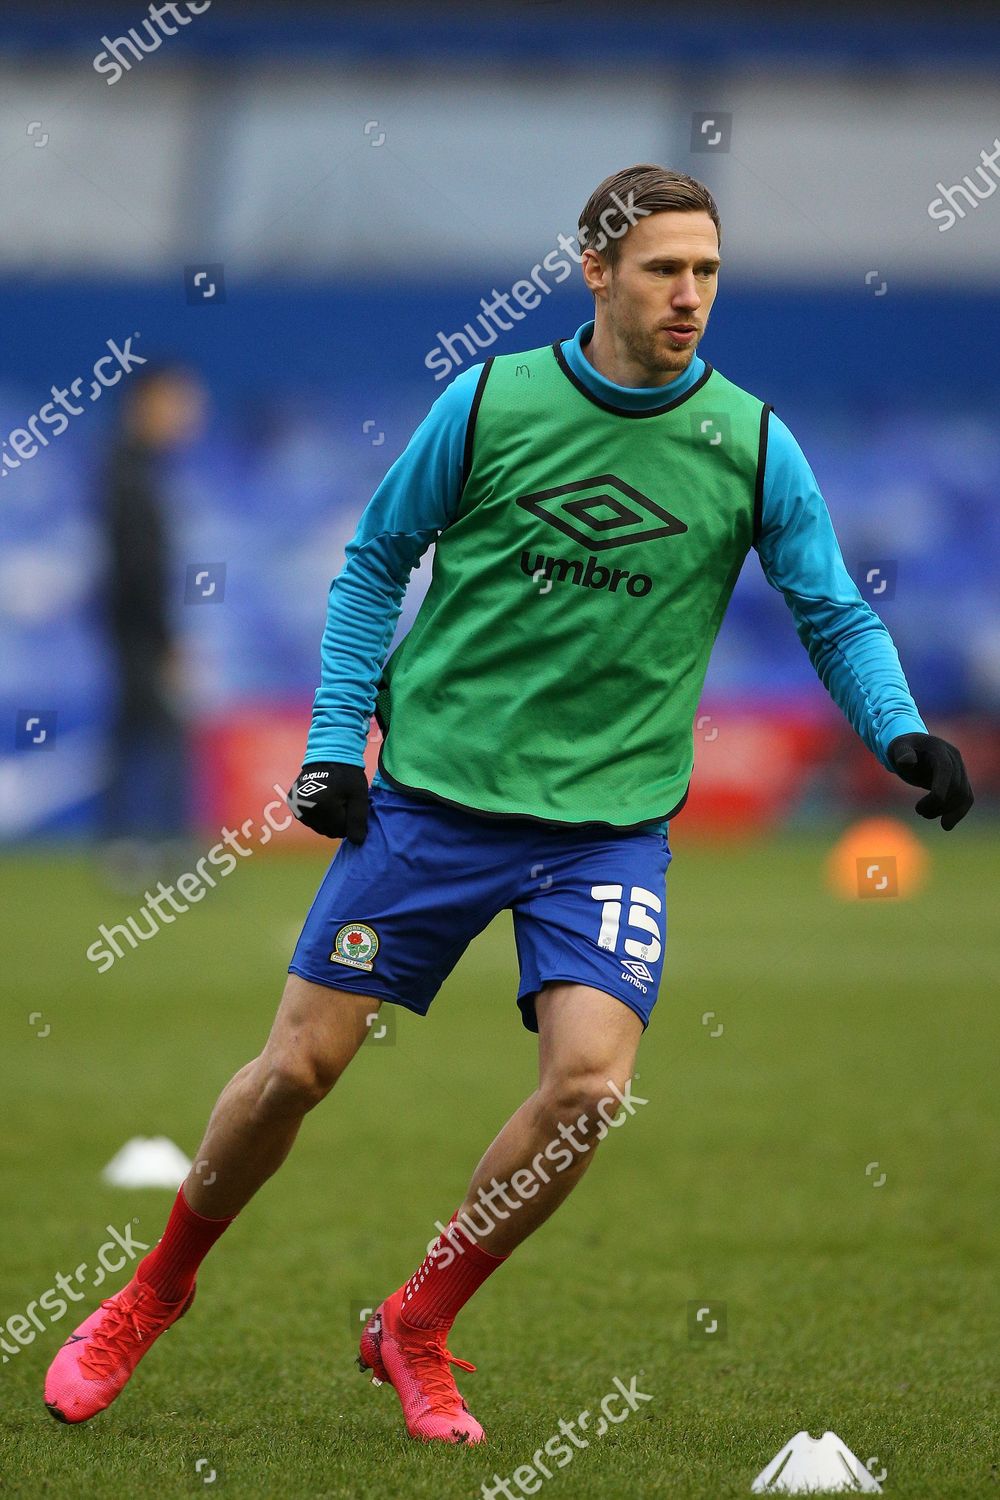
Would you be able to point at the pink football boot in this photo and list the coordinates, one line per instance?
(96, 1362)
(417, 1364)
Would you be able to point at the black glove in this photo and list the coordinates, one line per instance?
(924, 760)
(332, 799)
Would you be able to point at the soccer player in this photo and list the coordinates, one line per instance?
(592, 503)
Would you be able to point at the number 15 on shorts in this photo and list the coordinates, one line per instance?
(642, 905)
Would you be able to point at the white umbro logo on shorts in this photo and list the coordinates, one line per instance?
(309, 788)
(637, 968)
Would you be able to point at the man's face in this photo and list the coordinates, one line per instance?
(660, 291)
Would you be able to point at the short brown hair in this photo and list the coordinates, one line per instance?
(620, 199)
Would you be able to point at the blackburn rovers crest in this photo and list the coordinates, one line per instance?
(355, 945)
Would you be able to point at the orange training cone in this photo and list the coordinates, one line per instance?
(875, 859)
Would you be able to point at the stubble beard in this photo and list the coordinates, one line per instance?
(650, 348)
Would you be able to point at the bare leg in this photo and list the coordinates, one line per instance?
(587, 1041)
(257, 1116)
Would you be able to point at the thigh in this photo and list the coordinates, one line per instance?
(584, 1032)
(321, 1023)
(596, 918)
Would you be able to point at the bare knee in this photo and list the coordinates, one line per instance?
(583, 1101)
(292, 1081)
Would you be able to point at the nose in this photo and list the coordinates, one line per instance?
(686, 292)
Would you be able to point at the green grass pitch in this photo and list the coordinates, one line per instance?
(853, 1033)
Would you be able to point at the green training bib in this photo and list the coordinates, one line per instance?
(556, 662)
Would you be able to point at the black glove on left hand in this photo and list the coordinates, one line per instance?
(924, 760)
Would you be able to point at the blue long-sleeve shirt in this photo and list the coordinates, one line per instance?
(848, 644)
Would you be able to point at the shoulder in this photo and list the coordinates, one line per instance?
(449, 418)
(786, 461)
(720, 384)
(530, 361)
(456, 400)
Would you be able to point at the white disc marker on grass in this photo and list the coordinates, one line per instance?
(815, 1466)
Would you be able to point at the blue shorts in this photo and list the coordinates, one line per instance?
(394, 915)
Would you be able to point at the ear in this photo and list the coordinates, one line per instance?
(596, 271)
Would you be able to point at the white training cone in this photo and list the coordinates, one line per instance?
(816, 1466)
(143, 1161)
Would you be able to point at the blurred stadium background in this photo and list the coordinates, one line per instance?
(355, 182)
(296, 203)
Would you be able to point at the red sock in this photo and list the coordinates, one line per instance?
(454, 1268)
(172, 1264)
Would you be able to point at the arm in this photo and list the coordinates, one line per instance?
(848, 644)
(416, 500)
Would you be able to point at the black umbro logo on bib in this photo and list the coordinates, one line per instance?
(602, 513)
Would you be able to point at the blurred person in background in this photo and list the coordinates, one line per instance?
(145, 809)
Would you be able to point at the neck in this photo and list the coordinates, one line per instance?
(611, 358)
